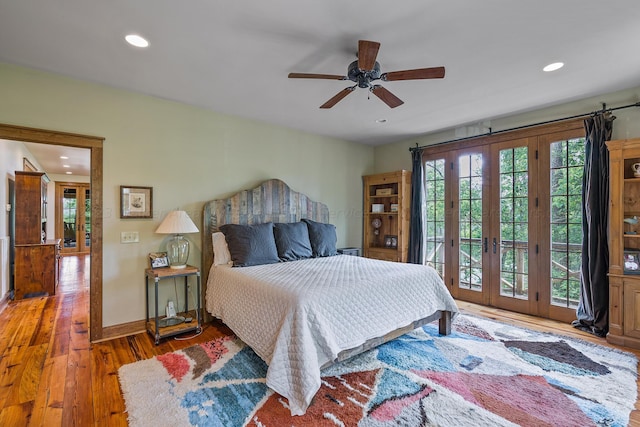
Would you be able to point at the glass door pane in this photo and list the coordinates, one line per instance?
(435, 214)
(69, 218)
(566, 173)
(514, 222)
(73, 217)
(470, 214)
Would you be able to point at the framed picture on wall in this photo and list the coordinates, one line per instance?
(136, 202)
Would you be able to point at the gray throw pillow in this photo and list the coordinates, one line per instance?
(323, 238)
(251, 244)
(292, 241)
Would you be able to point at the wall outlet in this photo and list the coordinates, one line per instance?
(129, 237)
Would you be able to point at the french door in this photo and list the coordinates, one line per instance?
(503, 222)
(73, 217)
(513, 228)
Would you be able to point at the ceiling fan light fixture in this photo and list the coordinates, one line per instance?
(366, 70)
(136, 40)
(553, 67)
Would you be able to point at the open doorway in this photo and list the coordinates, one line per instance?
(94, 144)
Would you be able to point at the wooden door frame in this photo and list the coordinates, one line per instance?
(59, 228)
(94, 144)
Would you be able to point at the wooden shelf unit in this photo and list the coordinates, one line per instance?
(387, 201)
(624, 283)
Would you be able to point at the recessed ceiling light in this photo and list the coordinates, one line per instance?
(136, 40)
(69, 173)
(66, 166)
(553, 67)
(64, 157)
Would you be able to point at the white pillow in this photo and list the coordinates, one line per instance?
(221, 255)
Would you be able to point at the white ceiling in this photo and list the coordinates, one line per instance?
(234, 56)
(78, 160)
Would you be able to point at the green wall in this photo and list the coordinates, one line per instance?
(188, 155)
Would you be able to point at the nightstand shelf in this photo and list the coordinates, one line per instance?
(154, 326)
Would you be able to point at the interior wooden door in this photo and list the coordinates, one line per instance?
(73, 217)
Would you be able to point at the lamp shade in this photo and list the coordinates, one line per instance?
(177, 223)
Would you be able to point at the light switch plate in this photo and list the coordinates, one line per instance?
(129, 237)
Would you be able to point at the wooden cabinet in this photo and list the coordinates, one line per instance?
(31, 207)
(37, 269)
(387, 201)
(36, 260)
(624, 243)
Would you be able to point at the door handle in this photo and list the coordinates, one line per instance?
(486, 245)
(495, 244)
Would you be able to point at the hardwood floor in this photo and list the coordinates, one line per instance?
(52, 376)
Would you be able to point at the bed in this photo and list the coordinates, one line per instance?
(317, 307)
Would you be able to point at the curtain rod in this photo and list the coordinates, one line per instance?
(490, 133)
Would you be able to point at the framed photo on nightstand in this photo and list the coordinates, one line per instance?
(158, 259)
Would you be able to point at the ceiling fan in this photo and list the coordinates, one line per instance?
(366, 70)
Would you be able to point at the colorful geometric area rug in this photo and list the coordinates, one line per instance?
(484, 374)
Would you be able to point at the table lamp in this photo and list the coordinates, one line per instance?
(177, 223)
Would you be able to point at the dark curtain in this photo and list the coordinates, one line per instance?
(593, 308)
(416, 244)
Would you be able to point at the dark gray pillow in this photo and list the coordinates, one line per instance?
(292, 241)
(323, 238)
(250, 244)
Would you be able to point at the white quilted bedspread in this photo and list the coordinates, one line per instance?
(299, 315)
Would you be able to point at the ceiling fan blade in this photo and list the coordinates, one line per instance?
(420, 73)
(316, 76)
(387, 97)
(338, 97)
(367, 53)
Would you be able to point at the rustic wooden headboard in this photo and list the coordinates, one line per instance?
(271, 201)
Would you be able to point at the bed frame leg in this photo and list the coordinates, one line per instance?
(445, 323)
